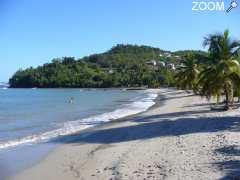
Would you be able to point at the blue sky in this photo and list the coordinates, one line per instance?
(33, 32)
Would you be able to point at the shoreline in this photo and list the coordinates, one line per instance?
(85, 132)
(113, 116)
(177, 138)
(52, 144)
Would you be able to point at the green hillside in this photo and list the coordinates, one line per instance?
(121, 66)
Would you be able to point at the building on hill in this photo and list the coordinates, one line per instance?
(168, 54)
(171, 66)
(179, 66)
(152, 62)
(162, 64)
(165, 54)
(110, 71)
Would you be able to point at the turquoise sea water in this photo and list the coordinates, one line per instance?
(30, 118)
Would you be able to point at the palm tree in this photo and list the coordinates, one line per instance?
(222, 75)
(186, 77)
(237, 92)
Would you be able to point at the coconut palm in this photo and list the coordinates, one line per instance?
(186, 77)
(223, 74)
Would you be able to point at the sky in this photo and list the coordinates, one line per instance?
(34, 32)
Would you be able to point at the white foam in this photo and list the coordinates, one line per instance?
(75, 126)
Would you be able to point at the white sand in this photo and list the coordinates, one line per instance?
(180, 140)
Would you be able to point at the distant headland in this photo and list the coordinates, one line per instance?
(121, 66)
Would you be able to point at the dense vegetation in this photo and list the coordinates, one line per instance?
(219, 76)
(121, 66)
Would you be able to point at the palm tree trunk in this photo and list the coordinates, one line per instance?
(227, 97)
(218, 99)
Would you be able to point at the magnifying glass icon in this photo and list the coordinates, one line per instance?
(233, 5)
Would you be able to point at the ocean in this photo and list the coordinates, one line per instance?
(31, 118)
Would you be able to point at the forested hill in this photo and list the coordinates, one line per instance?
(121, 66)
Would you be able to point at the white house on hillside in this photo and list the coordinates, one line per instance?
(162, 64)
(152, 62)
(171, 66)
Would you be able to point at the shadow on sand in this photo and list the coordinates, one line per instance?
(149, 127)
(231, 167)
(165, 116)
(177, 97)
(201, 105)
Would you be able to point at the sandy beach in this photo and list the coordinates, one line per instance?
(178, 138)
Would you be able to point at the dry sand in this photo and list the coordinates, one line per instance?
(177, 139)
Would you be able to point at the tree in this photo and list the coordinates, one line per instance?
(223, 74)
(186, 77)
